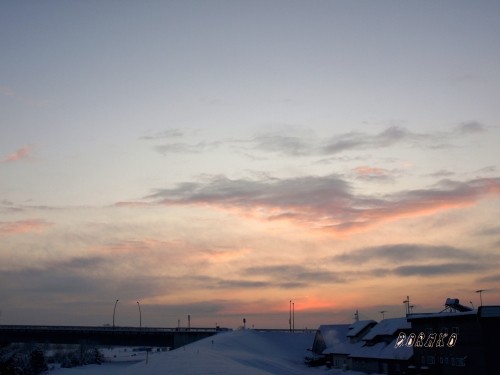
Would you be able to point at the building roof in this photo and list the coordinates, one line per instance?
(357, 327)
(440, 315)
(489, 311)
(383, 350)
(337, 339)
(387, 327)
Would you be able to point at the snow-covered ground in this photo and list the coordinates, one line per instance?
(236, 352)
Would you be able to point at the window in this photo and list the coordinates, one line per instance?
(445, 360)
(452, 361)
(455, 330)
(428, 331)
(430, 360)
(440, 360)
(460, 362)
(423, 359)
(444, 330)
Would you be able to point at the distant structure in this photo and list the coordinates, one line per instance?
(475, 348)
(458, 340)
(453, 305)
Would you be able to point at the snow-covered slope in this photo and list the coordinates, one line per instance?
(237, 352)
(245, 352)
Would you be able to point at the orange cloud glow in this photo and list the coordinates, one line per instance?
(22, 153)
(327, 202)
(23, 226)
(370, 171)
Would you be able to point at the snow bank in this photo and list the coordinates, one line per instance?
(237, 352)
(245, 352)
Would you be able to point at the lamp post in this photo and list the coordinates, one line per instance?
(140, 315)
(290, 317)
(114, 311)
(382, 312)
(480, 291)
(407, 302)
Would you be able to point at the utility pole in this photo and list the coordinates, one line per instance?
(140, 315)
(407, 302)
(114, 311)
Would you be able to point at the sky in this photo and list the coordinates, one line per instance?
(225, 160)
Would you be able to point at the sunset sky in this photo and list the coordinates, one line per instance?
(219, 159)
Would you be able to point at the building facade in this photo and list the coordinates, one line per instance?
(457, 343)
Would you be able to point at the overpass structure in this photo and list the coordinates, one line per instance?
(112, 336)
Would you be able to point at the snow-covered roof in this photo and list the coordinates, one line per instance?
(356, 327)
(387, 327)
(382, 350)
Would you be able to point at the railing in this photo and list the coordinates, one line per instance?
(107, 329)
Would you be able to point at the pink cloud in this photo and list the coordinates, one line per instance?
(22, 153)
(370, 171)
(327, 203)
(23, 226)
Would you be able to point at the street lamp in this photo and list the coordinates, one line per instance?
(407, 302)
(114, 311)
(382, 312)
(140, 315)
(290, 317)
(480, 291)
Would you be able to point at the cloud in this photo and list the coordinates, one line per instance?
(307, 145)
(489, 169)
(187, 148)
(169, 133)
(416, 260)
(439, 269)
(362, 141)
(372, 173)
(22, 153)
(324, 202)
(23, 226)
(296, 142)
(404, 253)
(495, 278)
(287, 145)
(395, 135)
(91, 281)
(490, 231)
(443, 173)
(471, 127)
(292, 276)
